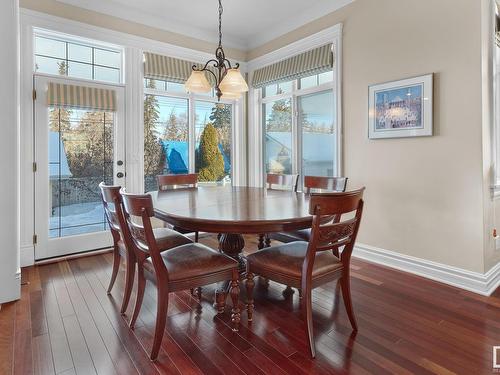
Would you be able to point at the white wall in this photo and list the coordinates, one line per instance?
(9, 151)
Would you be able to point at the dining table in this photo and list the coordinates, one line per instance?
(232, 211)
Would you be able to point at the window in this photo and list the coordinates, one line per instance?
(168, 133)
(213, 131)
(278, 123)
(299, 126)
(78, 60)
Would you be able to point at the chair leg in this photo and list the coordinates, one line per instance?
(116, 267)
(141, 286)
(249, 283)
(235, 297)
(307, 309)
(346, 295)
(196, 236)
(129, 283)
(161, 319)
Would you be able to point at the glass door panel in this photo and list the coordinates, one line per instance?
(75, 150)
(80, 157)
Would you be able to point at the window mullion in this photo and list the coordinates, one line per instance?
(295, 137)
(191, 134)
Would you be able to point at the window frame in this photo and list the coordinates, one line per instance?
(191, 115)
(256, 163)
(81, 41)
(297, 149)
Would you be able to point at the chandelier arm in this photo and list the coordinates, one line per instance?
(212, 73)
(194, 67)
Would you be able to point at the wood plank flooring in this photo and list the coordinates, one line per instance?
(65, 323)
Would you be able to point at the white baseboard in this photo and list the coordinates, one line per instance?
(27, 256)
(483, 284)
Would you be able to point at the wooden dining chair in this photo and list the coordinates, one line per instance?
(123, 245)
(112, 202)
(307, 265)
(278, 182)
(176, 181)
(183, 267)
(282, 181)
(311, 184)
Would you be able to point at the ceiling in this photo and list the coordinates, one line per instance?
(246, 24)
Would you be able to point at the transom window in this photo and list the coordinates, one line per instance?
(58, 56)
(174, 145)
(300, 130)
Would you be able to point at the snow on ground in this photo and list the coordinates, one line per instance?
(77, 218)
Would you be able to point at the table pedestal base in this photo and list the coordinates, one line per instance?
(232, 245)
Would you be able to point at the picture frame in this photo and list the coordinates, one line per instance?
(402, 108)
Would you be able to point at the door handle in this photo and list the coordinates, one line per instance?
(120, 175)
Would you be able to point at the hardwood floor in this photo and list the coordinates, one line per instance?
(65, 323)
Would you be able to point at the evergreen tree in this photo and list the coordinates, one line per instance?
(280, 119)
(210, 157)
(89, 146)
(221, 119)
(154, 155)
(59, 118)
(175, 128)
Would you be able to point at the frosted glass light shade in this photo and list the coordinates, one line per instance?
(233, 82)
(197, 82)
(231, 95)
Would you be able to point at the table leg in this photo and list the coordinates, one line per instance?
(231, 245)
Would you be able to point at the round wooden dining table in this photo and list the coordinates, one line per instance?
(233, 211)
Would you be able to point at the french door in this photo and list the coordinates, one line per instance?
(75, 149)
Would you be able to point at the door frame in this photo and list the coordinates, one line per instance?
(46, 247)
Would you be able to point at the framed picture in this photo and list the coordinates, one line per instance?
(401, 108)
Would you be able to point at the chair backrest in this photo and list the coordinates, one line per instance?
(282, 181)
(312, 183)
(141, 231)
(339, 233)
(112, 202)
(171, 181)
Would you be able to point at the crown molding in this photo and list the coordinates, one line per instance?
(301, 19)
(139, 16)
(171, 24)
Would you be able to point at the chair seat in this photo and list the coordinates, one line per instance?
(167, 238)
(296, 235)
(287, 260)
(191, 261)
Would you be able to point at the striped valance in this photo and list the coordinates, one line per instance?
(82, 97)
(170, 69)
(315, 61)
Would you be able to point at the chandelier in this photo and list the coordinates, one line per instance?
(229, 83)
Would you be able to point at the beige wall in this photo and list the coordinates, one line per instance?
(424, 196)
(59, 9)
